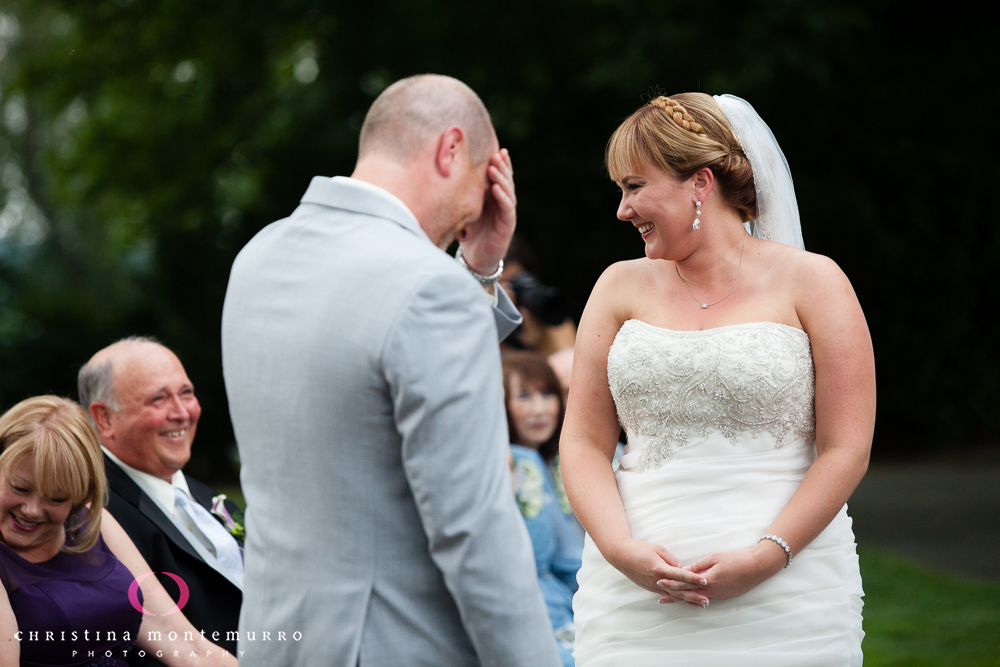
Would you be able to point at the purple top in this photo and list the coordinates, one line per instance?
(71, 605)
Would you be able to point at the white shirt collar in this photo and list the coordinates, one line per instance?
(158, 489)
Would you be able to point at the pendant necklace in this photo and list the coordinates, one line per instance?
(706, 305)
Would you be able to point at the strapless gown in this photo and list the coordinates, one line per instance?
(721, 431)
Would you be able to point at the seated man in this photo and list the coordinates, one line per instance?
(145, 410)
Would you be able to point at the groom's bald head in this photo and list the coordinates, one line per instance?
(413, 111)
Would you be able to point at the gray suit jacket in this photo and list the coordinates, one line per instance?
(364, 384)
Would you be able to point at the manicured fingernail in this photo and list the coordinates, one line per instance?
(704, 604)
(686, 567)
(702, 582)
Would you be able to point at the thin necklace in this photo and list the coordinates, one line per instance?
(706, 305)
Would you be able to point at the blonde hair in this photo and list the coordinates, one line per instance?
(681, 134)
(58, 437)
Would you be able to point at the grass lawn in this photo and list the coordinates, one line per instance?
(918, 618)
(913, 617)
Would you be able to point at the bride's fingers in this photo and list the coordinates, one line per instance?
(702, 564)
(668, 557)
(674, 585)
(670, 599)
(696, 599)
(678, 574)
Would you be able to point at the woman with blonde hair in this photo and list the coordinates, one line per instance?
(741, 368)
(68, 570)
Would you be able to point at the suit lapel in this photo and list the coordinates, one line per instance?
(203, 496)
(119, 480)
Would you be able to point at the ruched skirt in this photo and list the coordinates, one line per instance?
(711, 498)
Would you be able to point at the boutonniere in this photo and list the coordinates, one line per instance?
(233, 525)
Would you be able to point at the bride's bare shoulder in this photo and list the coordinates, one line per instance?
(821, 292)
(626, 274)
(800, 267)
(622, 279)
(619, 286)
(813, 272)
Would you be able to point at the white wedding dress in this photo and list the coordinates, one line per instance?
(721, 431)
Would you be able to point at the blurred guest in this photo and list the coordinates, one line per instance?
(534, 415)
(535, 408)
(534, 403)
(60, 578)
(146, 413)
(561, 363)
(547, 326)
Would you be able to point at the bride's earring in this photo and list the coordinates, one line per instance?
(697, 216)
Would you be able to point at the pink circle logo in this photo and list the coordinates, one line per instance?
(133, 594)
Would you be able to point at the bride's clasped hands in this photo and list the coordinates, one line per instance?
(724, 575)
(720, 576)
(654, 568)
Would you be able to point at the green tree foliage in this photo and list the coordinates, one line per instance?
(143, 143)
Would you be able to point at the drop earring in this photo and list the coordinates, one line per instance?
(697, 216)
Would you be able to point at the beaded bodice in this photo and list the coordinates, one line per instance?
(671, 387)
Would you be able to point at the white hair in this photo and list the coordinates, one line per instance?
(412, 111)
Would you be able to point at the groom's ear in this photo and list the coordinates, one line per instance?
(451, 143)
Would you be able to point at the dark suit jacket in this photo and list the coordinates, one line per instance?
(214, 604)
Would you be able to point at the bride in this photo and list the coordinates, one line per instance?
(741, 368)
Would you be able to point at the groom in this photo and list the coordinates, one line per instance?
(364, 382)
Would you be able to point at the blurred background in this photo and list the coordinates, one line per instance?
(143, 143)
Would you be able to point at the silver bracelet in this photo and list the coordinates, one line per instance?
(485, 281)
(781, 543)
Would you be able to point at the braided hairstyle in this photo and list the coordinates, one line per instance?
(678, 114)
(681, 134)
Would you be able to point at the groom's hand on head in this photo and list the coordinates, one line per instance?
(485, 241)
